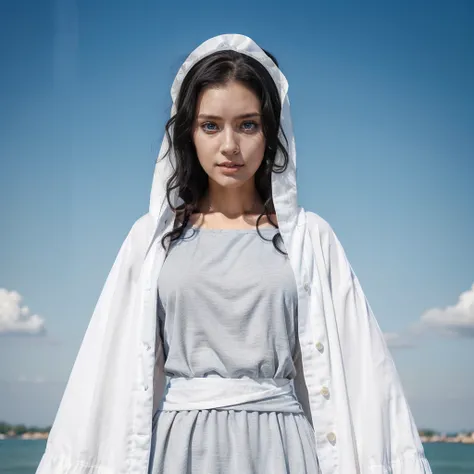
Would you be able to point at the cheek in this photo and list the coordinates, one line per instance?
(203, 149)
(254, 150)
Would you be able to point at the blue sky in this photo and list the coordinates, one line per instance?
(383, 112)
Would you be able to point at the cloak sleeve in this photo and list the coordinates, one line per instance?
(385, 436)
(99, 385)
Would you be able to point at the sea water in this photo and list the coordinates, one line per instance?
(22, 457)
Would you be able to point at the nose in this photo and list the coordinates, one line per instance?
(230, 144)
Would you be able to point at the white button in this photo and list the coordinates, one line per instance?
(147, 346)
(320, 347)
(145, 387)
(307, 288)
(166, 221)
(325, 392)
(331, 437)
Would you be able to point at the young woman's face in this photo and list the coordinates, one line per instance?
(228, 134)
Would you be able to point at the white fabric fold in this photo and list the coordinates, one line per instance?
(207, 393)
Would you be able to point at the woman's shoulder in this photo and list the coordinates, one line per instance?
(316, 223)
(142, 227)
(320, 230)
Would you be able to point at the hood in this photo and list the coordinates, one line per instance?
(283, 184)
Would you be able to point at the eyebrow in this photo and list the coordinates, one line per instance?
(216, 117)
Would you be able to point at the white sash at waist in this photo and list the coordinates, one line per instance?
(207, 393)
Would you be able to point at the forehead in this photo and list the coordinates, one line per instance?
(227, 100)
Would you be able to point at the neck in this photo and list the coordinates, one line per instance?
(232, 202)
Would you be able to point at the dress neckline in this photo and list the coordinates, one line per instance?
(242, 231)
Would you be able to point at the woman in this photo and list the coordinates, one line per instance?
(227, 294)
(242, 301)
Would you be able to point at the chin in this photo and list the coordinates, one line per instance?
(230, 181)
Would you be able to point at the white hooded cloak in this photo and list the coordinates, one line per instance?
(346, 382)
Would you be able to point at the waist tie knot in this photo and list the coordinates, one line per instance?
(207, 393)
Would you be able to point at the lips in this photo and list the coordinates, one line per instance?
(230, 165)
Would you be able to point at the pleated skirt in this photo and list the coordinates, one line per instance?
(232, 442)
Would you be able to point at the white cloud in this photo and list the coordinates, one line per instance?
(457, 320)
(397, 341)
(17, 319)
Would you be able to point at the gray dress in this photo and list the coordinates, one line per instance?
(227, 307)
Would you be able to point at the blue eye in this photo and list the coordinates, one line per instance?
(250, 126)
(209, 127)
